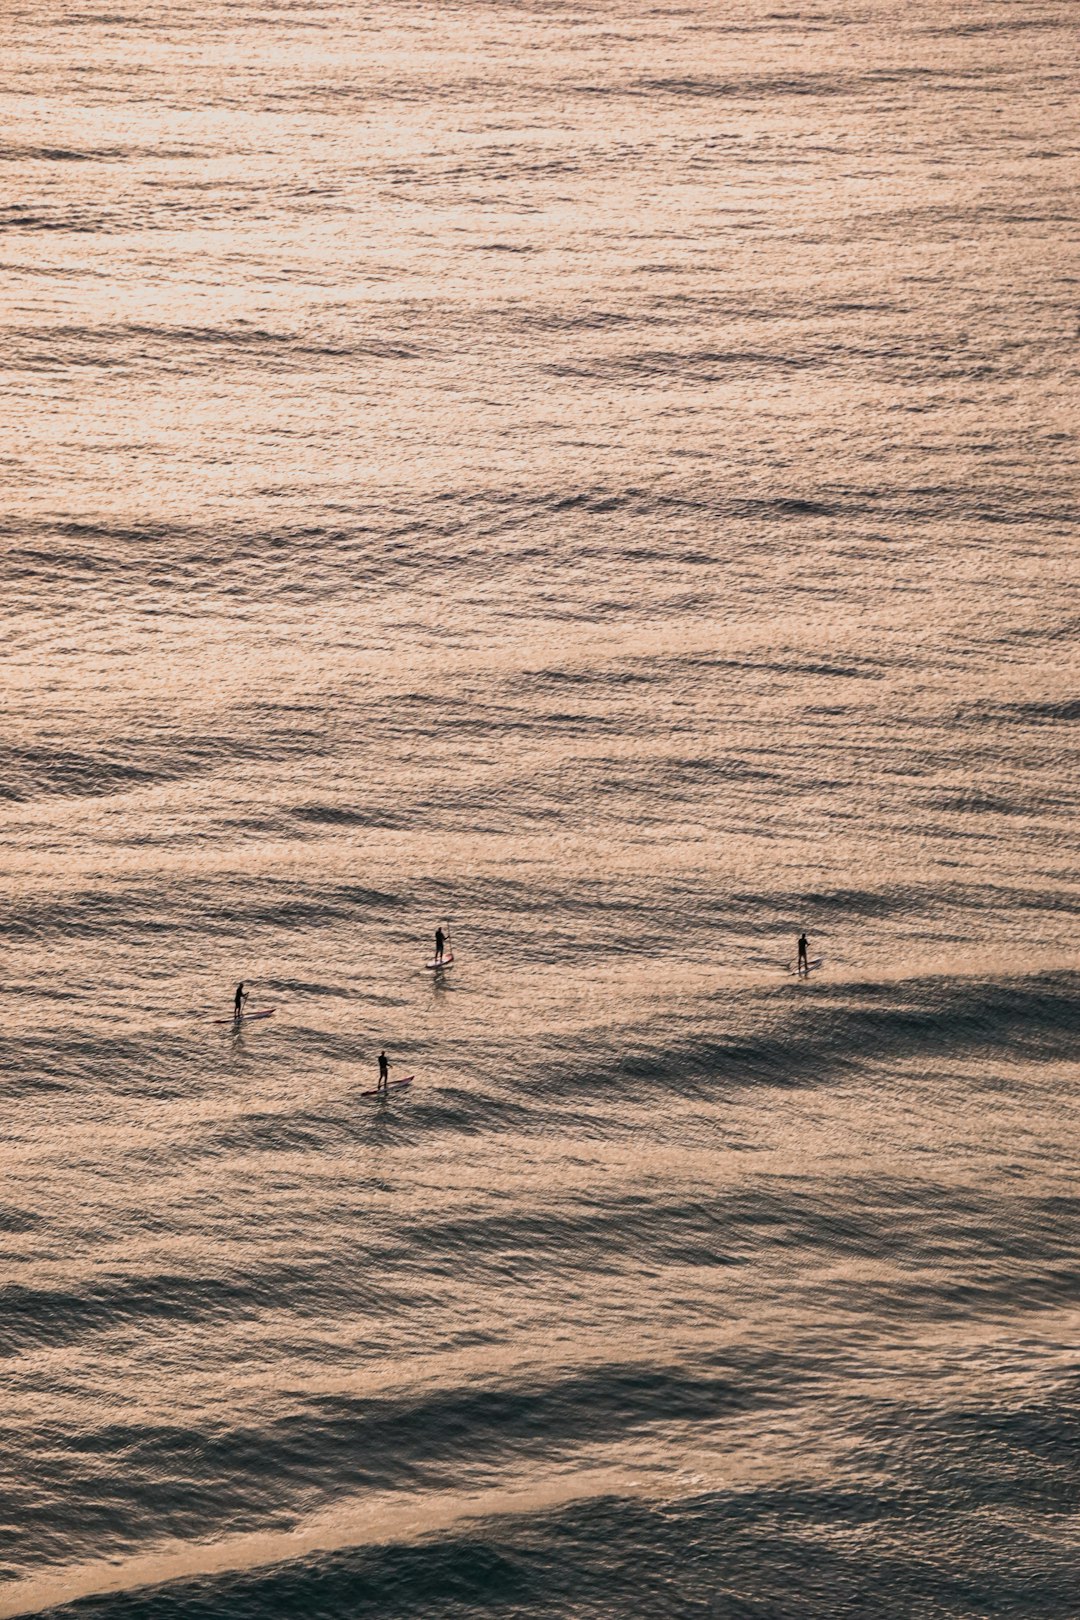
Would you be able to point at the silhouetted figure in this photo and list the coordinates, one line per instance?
(239, 999)
(384, 1073)
(440, 944)
(803, 966)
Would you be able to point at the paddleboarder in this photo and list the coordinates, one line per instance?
(238, 1000)
(803, 965)
(384, 1073)
(440, 944)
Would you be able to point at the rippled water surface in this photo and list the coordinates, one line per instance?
(604, 476)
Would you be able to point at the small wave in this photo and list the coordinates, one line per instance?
(837, 1029)
(379, 1555)
(1068, 709)
(702, 365)
(990, 1481)
(10, 153)
(1000, 25)
(150, 909)
(970, 801)
(124, 764)
(756, 86)
(63, 1057)
(31, 1317)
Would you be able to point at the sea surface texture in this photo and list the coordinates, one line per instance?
(602, 476)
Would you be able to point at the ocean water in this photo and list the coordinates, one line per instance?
(605, 476)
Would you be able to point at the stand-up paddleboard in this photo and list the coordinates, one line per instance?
(246, 1018)
(811, 966)
(447, 956)
(376, 1090)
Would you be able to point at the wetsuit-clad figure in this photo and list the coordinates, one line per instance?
(239, 999)
(803, 966)
(384, 1073)
(440, 944)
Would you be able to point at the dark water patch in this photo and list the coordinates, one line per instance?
(19, 217)
(938, 1232)
(466, 1578)
(802, 506)
(225, 906)
(1043, 634)
(784, 1057)
(319, 988)
(972, 801)
(914, 505)
(266, 342)
(601, 678)
(1014, 1291)
(331, 815)
(466, 1111)
(1025, 1016)
(131, 347)
(578, 722)
(34, 772)
(533, 1418)
(1000, 24)
(566, 919)
(559, 677)
(830, 904)
(450, 536)
(809, 1033)
(12, 153)
(99, 19)
(266, 826)
(593, 501)
(21, 1080)
(158, 534)
(677, 772)
(435, 717)
(286, 911)
(704, 365)
(32, 1317)
(600, 1240)
(125, 764)
(23, 563)
(1035, 1445)
(837, 671)
(756, 86)
(302, 1131)
(861, 670)
(932, 1233)
(61, 1058)
(86, 913)
(846, 1549)
(1066, 709)
(168, 1480)
(582, 320)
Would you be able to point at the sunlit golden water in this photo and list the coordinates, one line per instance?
(605, 477)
